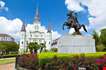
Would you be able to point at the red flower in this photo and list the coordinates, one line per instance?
(104, 68)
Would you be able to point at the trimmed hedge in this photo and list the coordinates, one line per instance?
(8, 55)
(46, 55)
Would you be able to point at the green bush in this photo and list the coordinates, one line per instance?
(103, 36)
(7, 47)
(8, 55)
(53, 49)
(100, 47)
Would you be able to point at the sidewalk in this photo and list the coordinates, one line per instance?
(10, 66)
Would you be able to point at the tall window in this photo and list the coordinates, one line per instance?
(22, 42)
(36, 27)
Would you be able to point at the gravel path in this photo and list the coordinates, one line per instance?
(10, 66)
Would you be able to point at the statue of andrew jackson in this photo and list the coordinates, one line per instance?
(72, 22)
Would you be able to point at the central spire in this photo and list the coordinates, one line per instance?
(37, 15)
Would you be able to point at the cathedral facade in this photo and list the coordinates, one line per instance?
(35, 34)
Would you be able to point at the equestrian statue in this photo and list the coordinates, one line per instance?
(72, 22)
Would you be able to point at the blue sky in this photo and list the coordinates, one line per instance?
(51, 11)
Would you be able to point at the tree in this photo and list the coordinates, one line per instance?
(33, 46)
(2, 49)
(100, 47)
(12, 46)
(42, 46)
(103, 37)
(96, 37)
(7, 47)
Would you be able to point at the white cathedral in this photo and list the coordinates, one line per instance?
(35, 34)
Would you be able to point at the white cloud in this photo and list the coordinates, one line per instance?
(71, 30)
(7, 25)
(2, 6)
(55, 35)
(96, 8)
(11, 27)
(73, 5)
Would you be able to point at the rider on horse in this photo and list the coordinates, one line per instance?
(72, 22)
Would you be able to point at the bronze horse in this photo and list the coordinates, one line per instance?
(72, 22)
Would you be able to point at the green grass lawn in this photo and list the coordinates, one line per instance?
(7, 60)
(52, 54)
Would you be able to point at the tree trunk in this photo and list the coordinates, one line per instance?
(35, 51)
(41, 50)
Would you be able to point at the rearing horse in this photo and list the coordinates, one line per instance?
(72, 22)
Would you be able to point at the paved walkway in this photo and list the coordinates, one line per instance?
(10, 66)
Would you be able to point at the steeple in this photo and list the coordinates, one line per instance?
(23, 29)
(37, 15)
(49, 28)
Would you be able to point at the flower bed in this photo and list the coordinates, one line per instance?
(62, 61)
(28, 61)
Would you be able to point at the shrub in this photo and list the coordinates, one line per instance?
(29, 61)
(8, 55)
(100, 47)
(54, 49)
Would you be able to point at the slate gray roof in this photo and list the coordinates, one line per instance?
(4, 35)
(23, 28)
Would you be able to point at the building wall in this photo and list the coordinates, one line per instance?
(23, 43)
(6, 39)
(48, 40)
(35, 35)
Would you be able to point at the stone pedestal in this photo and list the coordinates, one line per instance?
(76, 44)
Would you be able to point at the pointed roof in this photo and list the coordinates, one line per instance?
(37, 15)
(23, 29)
(5, 35)
(49, 28)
